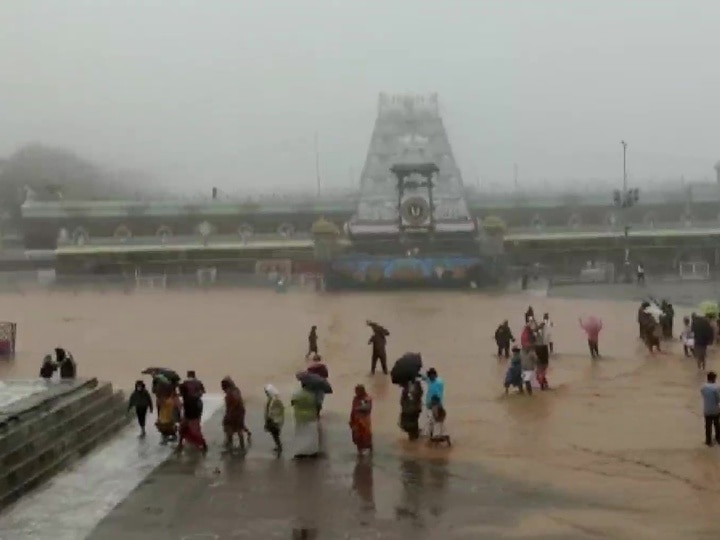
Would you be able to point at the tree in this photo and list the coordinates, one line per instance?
(47, 173)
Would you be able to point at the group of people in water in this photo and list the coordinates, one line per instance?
(63, 364)
(531, 359)
(179, 406)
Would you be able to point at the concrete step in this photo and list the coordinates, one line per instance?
(35, 449)
(21, 439)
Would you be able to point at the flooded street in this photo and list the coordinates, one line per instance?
(624, 432)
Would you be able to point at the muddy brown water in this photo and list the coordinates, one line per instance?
(626, 428)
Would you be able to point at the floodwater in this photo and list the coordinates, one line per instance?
(626, 429)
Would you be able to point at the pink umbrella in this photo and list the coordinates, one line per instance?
(592, 325)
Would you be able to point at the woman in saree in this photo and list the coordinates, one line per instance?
(165, 424)
(190, 427)
(234, 419)
(307, 427)
(360, 420)
(410, 409)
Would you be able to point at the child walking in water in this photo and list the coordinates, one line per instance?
(141, 401)
(436, 425)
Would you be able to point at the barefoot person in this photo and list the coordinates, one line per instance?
(710, 393)
(410, 408)
(361, 420)
(274, 416)
(503, 338)
(592, 327)
(703, 336)
(313, 341)
(192, 391)
(307, 428)
(234, 418)
(513, 375)
(378, 340)
(141, 401)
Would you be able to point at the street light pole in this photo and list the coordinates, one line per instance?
(624, 200)
(624, 145)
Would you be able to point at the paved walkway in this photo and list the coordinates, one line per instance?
(223, 497)
(82, 496)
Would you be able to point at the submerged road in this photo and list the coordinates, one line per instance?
(614, 450)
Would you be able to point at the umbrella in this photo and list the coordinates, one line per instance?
(378, 328)
(709, 308)
(313, 382)
(406, 368)
(169, 374)
(592, 323)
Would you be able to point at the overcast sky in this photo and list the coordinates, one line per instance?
(229, 93)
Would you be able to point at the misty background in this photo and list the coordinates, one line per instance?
(187, 95)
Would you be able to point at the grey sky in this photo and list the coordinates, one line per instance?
(229, 93)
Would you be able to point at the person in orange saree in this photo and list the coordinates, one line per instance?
(360, 420)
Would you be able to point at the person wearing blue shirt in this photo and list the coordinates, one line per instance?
(436, 387)
(710, 393)
(435, 391)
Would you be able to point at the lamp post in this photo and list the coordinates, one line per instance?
(623, 200)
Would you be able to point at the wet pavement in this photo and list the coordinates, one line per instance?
(614, 450)
(80, 497)
(340, 496)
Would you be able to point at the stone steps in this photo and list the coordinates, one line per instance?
(44, 440)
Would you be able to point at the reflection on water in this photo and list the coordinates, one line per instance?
(626, 428)
(437, 484)
(363, 484)
(411, 477)
(304, 534)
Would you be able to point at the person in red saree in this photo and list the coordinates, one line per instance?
(234, 419)
(360, 420)
(190, 427)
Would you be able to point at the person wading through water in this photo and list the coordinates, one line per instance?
(66, 364)
(542, 351)
(410, 408)
(703, 333)
(48, 367)
(378, 340)
(592, 327)
(361, 420)
(312, 341)
(503, 338)
(710, 393)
